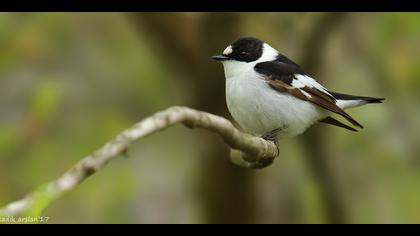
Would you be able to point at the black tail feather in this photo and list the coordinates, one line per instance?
(374, 100)
(331, 121)
(341, 96)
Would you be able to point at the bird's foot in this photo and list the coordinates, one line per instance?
(271, 137)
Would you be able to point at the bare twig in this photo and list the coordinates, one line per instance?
(248, 151)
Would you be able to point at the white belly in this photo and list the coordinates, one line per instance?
(259, 109)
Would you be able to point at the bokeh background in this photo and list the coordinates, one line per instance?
(71, 81)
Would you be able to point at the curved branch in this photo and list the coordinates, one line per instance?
(248, 151)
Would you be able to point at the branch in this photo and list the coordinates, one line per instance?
(248, 151)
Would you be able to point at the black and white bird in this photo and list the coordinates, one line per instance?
(270, 95)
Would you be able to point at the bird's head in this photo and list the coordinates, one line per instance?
(244, 54)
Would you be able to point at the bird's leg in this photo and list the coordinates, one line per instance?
(271, 135)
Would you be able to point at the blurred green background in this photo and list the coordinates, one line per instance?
(71, 81)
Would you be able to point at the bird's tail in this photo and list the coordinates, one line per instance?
(347, 101)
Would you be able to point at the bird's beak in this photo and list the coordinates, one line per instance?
(220, 58)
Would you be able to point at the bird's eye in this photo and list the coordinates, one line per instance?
(244, 53)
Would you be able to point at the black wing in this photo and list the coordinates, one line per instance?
(278, 70)
(281, 76)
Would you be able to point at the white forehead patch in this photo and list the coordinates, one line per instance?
(228, 50)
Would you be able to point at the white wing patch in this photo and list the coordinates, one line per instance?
(306, 94)
(301, 81)
(297, 83)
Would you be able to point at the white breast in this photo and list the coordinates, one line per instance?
(259, 109)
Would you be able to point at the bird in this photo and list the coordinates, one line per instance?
(271, 96)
